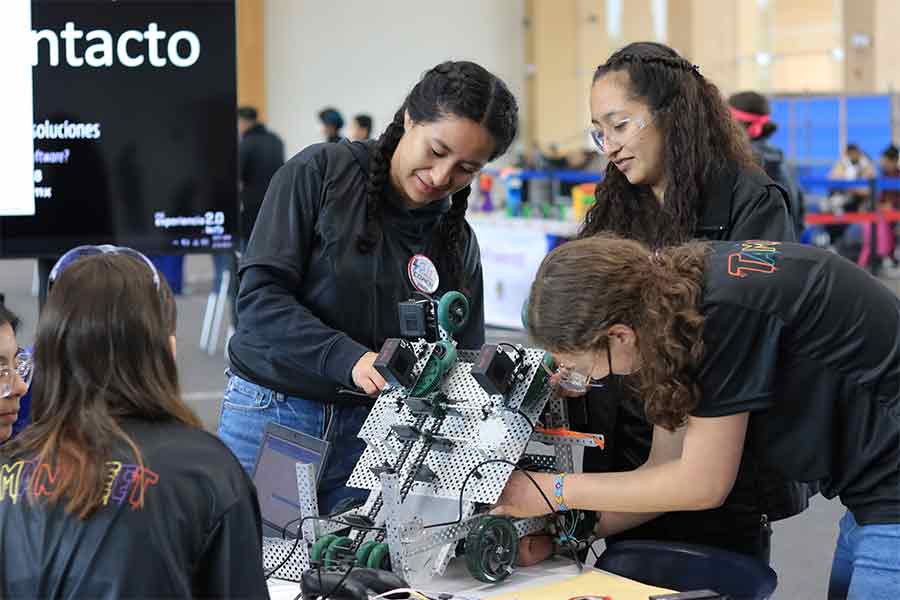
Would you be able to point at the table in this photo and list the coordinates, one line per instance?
(458, 581)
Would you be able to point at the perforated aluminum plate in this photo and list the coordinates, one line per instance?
(275, 550)
(485, 430)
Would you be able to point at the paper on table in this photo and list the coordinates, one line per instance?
(593, 583)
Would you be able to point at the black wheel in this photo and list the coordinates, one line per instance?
(491, 549)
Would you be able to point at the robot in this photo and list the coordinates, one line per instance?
(441, 442)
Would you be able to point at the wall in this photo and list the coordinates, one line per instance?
(364, 56)
(251, 55)
(887, 45)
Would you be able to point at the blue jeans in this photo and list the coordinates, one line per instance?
(866, 562)
(247, 408)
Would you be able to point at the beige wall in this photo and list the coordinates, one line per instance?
(804, 34)
(714, 43)
(557, 92)
(860, 64)
(887, 45)
(364, 56)
(251, 60)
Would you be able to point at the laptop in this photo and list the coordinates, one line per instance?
(275, 475)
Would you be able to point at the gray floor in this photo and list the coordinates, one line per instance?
(803, 545)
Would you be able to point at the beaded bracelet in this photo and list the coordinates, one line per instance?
(558, 492)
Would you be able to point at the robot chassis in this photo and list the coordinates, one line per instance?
(452, 425)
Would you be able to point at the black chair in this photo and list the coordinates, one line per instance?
(687, 567)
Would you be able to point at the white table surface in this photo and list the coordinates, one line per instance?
(457, 580)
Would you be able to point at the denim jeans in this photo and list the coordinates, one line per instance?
(866, 562)
(247, 408)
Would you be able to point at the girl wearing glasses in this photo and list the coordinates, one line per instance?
(772, 346)
(328, 261)
(115, 490)
(679, 168)
(15, 373)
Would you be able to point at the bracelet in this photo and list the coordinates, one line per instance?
(558, 492)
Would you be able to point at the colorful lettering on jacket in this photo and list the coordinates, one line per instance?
(124, 482)
(754, 256)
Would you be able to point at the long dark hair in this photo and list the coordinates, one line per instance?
(584, 287)
(102, 354)
(461, 89)
(700, 140)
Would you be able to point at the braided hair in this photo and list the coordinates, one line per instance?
(700, 140)
(459, 89)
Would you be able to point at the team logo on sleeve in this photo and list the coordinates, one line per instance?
(754, 256)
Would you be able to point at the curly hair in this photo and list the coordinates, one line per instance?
(461, 89)
(586, 286)
(700, 140)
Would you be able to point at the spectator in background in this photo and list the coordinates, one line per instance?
(889, 199)
(361, 128)
(890, 167)
(261, 154)
(751, 110)
(332, 123)
(853, 164)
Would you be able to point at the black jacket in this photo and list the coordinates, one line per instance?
(310, 305)
(739, 205)
(771, 159)
(198, 534)
(261, 154)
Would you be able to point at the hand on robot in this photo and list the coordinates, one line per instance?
(521, 498)
(366, 377)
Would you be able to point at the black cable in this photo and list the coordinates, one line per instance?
(520, 356)
(300, 536)
(339, 583)
(526, 417)
(515, 467)
(474, 470)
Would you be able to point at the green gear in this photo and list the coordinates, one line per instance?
(362, 555)
(379, 557)
(442, 358)
(339, 548)
(317, 553)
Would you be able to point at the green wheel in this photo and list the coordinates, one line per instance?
(491, 549)
(338, 549)
(549, 362)
(362, 554)
(442, 359)
(524, 315)
(317, 553)
(379, 557)
(453, 312)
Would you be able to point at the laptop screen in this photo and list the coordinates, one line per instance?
(275, 478)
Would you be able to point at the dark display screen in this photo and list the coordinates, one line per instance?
(135, 135)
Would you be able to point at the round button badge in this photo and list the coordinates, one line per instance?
(423, 274)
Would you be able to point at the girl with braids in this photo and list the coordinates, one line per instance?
(327, 263)
(769, 345)
(679, 168)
